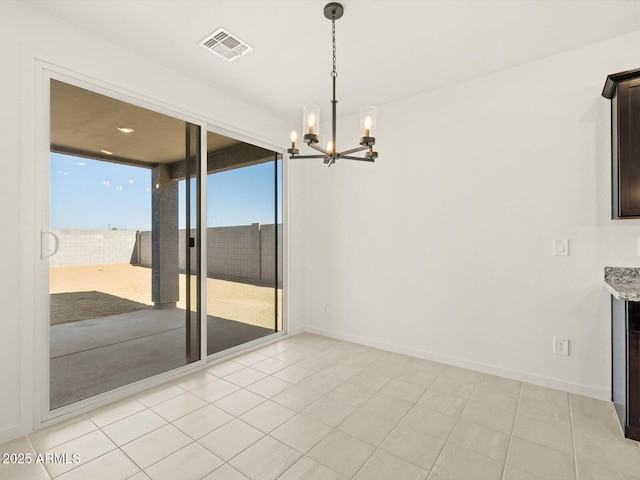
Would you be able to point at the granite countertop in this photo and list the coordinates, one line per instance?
(623, 282)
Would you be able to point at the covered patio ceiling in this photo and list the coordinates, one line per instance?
(85, 124)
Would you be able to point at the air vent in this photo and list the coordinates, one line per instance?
(226, 45)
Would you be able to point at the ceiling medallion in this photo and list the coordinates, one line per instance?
(311, 117)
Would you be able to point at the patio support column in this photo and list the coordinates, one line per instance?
(164, 239)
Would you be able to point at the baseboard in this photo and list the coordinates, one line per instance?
(459, 362)
(297, 330)
(11, 433)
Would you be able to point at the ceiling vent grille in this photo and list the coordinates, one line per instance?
(226, 45)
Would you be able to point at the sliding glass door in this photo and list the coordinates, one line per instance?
(244, 243)
(129, 285)
(123, 244)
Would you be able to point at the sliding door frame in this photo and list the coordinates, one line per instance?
(34, 360)
(43, 415)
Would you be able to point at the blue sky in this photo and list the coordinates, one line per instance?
(95, 195)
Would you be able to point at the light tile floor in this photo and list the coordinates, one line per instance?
(310, 407)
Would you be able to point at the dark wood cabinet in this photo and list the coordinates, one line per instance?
(633, 416)
(625, 349)
(623, 89)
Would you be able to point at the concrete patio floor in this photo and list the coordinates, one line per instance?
(100, 353)
(97, 355)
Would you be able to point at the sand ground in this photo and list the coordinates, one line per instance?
(237, 301)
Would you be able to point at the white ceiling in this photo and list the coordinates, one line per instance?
(387, 50)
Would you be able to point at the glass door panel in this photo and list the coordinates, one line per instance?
(243, 231)
(123, 306)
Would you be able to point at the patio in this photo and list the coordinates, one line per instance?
(111, 335)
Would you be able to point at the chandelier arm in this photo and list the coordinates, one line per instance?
(308, 156)
(320, 149)
(348, 157)
(353, 150)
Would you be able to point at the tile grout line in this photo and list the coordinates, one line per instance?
(332, 428)
(444, 445)
(138, 473)
(303, 454)
(573, 437)
(89, 417)
(311, 448)
(46, 472)
(169, 383)
(348, 416)
(513, 427)
(226, 462)
(454, 426)
(141, 470)
(118, 447)
(150, 408)
(97, 429)
(407, 413)
(387, 436)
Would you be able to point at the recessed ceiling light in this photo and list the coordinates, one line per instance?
(126, 129)
(106, 152)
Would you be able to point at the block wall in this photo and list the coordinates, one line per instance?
(91, 247)
(245, 252)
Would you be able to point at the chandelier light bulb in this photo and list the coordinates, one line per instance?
(311, 123)
(367, 126)
(293, 150)
(330, 146)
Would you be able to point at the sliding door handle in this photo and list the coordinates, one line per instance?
(56, 244)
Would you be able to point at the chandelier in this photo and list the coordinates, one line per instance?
(311, 118)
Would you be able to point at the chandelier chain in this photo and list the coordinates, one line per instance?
(334, 73)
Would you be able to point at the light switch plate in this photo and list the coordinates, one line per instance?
(561, 247)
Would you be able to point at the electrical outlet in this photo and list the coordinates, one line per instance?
(561, 346)
(325, 309)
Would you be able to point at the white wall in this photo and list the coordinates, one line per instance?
(442, 248)
(27, 35)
